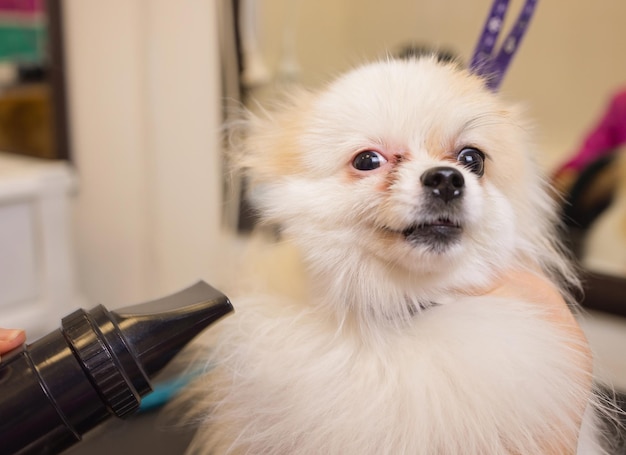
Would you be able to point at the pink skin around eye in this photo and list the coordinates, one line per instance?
(391, 157)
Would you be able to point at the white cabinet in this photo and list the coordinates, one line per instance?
(37, 272)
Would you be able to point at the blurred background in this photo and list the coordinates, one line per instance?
(112, 182)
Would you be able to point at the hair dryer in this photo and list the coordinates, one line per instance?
(98, 364)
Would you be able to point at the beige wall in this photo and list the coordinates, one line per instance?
(144, 111)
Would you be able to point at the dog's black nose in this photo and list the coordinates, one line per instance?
(444, 182)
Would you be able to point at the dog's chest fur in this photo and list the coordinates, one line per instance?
(480, 375)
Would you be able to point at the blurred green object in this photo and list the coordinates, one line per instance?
(22, 43)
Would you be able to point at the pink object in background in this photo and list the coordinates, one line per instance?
(608, 134)
(22, 6)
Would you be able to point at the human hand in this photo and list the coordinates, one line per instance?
(537, 289)
(10, 339)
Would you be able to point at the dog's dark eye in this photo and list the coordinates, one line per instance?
(368, 160)
(473, 159)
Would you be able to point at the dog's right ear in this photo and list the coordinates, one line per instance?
(266, 144)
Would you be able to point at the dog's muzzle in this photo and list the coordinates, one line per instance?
(443, 187)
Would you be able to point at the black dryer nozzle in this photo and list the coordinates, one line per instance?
(121, 350)
(172, 322)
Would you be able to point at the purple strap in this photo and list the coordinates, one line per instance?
(484, 63)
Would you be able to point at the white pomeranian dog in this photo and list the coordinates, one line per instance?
(406, 187)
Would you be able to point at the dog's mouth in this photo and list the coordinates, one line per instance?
(442, 225)
(436, 233)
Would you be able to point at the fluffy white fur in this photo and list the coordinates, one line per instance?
(384, 350)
